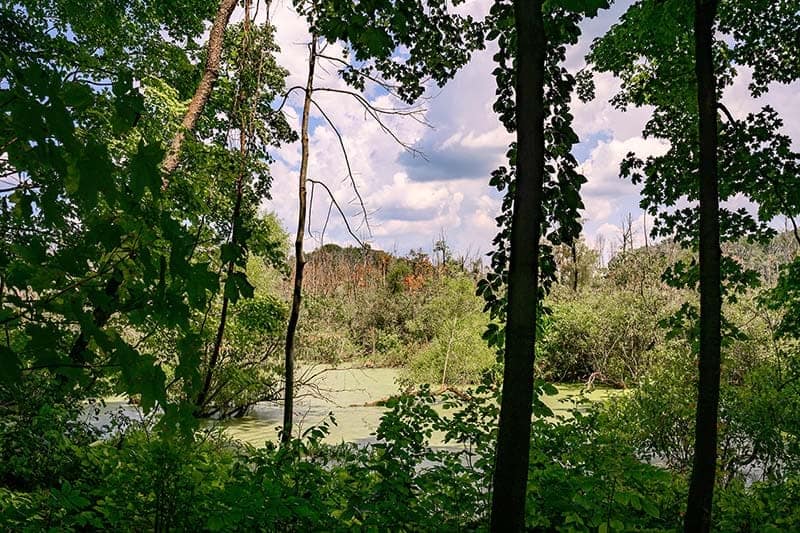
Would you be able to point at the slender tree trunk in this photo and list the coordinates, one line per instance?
(203, 395)
(701, 488)
(574, 249)
(300, 261)
(513, 443)
(447, 353)
(204, 88)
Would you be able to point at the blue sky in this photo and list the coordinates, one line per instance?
(412, 200)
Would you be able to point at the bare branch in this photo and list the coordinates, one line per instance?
(376, 113)
(310, 211)
(346, 161)
(325, 226)
(385, 85)
(286, 96)
(338, 208)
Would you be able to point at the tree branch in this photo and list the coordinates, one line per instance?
(347, 163)
(338, 208)
(204, 88)
(376, 112)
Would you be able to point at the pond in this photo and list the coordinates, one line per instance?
(349, 393)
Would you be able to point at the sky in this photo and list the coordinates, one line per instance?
(413, 200)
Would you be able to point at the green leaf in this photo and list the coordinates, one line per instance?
(237, 286)
(145, 169)
(229, 252)
(650, 508)
(10, 369)
(77, 95)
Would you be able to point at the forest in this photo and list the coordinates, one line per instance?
(201, 288)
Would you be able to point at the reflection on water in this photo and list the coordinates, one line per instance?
(350, 394)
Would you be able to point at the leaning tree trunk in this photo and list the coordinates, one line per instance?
(513, 442)
(100, 315)
(204, 397)
(299, 257)
(204, 88)
(701, 487)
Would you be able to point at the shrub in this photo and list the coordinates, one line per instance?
(453, 320)
(607, 334)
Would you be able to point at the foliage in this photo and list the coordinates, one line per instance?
(40, 436)
(102, 256)
(393, 311)
(452, 319)
(584, 476)
(610, 335)
(435, 41)
(758, 428)
(562, 181)
(583, 479)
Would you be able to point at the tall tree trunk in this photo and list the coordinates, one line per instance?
(204, 88)
(203, 395)
(513, 443)
(701, 488)
(300, 260)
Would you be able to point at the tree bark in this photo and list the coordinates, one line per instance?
(300, 261)
(204, 88)
(203, 395)
(701, 487)
(513, 443)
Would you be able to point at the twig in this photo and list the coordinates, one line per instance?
(286, 96)
(338, 208)
(347, 163)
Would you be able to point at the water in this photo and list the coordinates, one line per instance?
(347, 392)
(350, 394)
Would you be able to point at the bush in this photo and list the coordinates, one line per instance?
(583, 477)
(759, 418)
(608, 334)
(454, 321)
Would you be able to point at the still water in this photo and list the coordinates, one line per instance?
(348, 393)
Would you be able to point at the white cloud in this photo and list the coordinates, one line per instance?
(412, 200)
(605, 194)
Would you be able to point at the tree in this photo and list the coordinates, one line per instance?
(251, 80)
(82, 189)
(542, 200)
(422, 29)
(297, 291)
(701, 487)
(513, 440)
(652, 50)
(119, 260)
